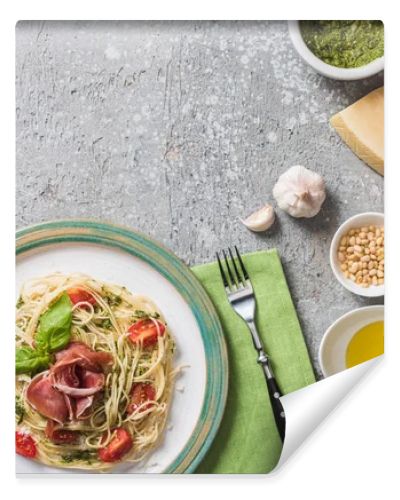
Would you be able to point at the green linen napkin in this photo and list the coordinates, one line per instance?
(247, 441)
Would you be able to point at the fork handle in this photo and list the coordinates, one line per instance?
(274, 394)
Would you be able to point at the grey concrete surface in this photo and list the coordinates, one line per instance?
(178, 129)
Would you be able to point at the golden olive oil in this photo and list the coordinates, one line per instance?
(366, 344)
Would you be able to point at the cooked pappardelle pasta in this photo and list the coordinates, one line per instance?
(94, 373)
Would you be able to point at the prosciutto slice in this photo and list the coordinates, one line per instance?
(78, 383)
(66, 391)
(82, 354)
(46, 399)
(82, 407)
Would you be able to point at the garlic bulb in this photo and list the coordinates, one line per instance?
(261, 220)
(300, 192)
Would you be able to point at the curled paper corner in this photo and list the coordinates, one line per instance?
(306, 408)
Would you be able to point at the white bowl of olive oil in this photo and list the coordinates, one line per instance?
(354, 338)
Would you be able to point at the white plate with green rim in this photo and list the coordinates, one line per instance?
(125, 257)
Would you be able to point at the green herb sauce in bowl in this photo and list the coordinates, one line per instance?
(344, 44)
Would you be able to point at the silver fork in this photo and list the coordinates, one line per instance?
(241, 296)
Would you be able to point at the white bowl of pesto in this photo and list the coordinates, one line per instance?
(373, 62)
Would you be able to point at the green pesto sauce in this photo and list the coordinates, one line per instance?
(345, 44)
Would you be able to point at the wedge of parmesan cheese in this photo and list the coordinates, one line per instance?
(361, 127)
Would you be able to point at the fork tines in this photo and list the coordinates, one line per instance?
(236, 275)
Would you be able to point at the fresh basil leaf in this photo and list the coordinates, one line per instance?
(54, 330)
(28, 360)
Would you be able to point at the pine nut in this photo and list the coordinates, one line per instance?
(354, 267)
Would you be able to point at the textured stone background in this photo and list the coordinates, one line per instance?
(178, 129)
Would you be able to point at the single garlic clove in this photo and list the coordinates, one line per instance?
(261, 220)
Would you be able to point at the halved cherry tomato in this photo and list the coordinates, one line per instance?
(79, 295)
(60, 436)
(119, 446)
(146, 331)
(140, 393)
(25, 445)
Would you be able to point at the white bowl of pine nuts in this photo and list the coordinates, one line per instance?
(357, 254)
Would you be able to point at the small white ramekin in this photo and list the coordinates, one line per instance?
(364, 219)
(328, 70)
(334, 343)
